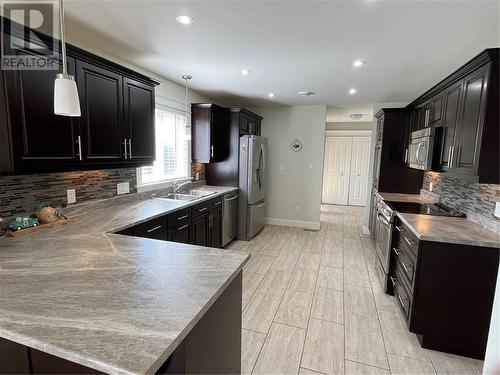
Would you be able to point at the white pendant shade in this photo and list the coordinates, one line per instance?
(66, 102)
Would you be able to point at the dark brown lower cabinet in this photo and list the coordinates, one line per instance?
(200, 230)
(213, 346)
(182, 234)
(445, 292)
(198, 225)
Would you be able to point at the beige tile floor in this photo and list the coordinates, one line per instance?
(312, 304)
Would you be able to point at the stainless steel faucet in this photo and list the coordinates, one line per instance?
(178, 186)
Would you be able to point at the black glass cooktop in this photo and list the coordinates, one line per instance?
(424, 209)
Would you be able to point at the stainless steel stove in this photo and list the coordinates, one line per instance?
(386, 212)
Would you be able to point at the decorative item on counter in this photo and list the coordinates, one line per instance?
(47, 214)
(23, 222)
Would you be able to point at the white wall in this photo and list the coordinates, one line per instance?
(492, 359)
(294, 179)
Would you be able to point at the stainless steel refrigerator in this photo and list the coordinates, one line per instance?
(252, 184)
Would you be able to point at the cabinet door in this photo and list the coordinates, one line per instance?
(424, 116)
(200, 230)
(181, 234)
(337, 170)
(415, 118)
(101, 98)
(244, 125)
(451, 102)
(139, 133)
(219, 138)
(41, 138)
(468, 142)
(359, 170)
(215, 228)
(437, 109)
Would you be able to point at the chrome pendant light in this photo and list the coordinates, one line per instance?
(186, 78)
(66, 101)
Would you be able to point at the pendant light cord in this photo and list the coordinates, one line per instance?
(61, 31)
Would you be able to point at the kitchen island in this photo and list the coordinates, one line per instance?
(84, 297)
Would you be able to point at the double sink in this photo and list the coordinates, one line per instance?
(188, 195)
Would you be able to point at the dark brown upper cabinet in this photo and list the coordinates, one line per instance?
(465, 106)
(39, 137)
(210, 133)
(101, 101)
(139, 106)
(249, 122)
(116, 128)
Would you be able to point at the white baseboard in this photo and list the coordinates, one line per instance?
(311, 225)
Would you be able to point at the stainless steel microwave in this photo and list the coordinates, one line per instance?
(421, 148)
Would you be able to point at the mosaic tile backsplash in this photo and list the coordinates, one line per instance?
(476, 200)
(21, 194)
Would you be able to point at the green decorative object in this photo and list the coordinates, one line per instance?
(23, 223)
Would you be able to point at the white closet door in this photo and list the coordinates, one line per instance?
(359, 170)
(337, 169)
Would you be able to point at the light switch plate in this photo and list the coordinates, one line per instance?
(123, 188)
(497, 209)
(71, 196)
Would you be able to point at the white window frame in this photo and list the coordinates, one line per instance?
(176, 108)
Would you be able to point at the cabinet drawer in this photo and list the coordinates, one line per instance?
(179, 217)
(407, 238)
(204, 207)
(156, 229)
(405, 262)
(403, 297)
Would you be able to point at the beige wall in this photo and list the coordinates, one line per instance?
(294, 179)
(348, 126)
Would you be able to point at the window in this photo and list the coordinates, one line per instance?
(172, 149)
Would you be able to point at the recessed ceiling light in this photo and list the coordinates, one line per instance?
(358, 63)
(352, 91)
(306, 93)
(271, 95)
(185, 20)
(245, 72)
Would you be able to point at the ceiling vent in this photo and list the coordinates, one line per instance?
(306, 93)
(356, 116)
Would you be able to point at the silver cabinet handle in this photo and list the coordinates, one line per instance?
(399, 229)
(401, 302)
(130, 148)
(406, 156)
(217, 203)
(182, 217)
(155, 228)
(407, 269)
(125, 147)
(212, 151)
(396, 251)
(202, 209)
(231, 198)
(79, 141)
(411, 243)
(451, 157)
(183, 227)
(393, 281)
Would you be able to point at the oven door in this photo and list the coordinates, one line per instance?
(383, 244)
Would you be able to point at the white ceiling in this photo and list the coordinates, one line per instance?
(293, 45)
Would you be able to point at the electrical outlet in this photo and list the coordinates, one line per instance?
(431, 186)
(123, 188)
(497, 209)
(71, 196)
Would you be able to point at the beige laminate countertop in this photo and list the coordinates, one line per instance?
(401, 197)
(113, 303)
(450, 230)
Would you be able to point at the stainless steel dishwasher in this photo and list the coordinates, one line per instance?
(229, 218)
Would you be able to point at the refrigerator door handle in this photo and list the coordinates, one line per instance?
(262, 167)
